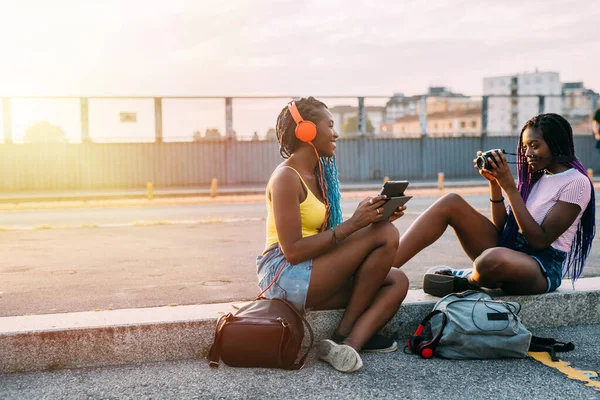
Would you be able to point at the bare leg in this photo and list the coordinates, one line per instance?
(513, 271)
(385, 305)
(366, 258)
(475, 232)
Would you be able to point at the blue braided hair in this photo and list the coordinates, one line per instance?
(331, 182)
(558, 134)
(310, 109)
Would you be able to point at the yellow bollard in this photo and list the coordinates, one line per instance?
(386, 179)
(441, 180)
(590, 173)
(213, 188)
(149, 188)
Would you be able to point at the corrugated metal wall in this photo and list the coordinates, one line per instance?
(131, 165)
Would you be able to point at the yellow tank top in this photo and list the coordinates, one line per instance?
(312, 214)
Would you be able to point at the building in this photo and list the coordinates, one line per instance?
(458, 122)
(518, 99)
(341, 114)
(577, 100)
(438, 100)
(399, 106)
(579, 105)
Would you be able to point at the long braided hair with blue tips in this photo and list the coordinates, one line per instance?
(558, 134)
(310, 109)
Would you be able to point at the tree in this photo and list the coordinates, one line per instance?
(197, 136)
(351, 125)
(44, 132)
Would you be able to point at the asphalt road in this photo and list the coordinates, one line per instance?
(395, 375)
(195, 262)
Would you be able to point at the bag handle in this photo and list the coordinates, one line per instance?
(300, 363)
(214, 354)
(273, 281)
(550, 345)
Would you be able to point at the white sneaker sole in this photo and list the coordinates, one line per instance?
(341, 357)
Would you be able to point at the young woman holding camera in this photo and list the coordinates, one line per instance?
(544, 233)
(315, 259)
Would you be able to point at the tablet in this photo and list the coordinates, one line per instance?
(392, 205)
(394, 188)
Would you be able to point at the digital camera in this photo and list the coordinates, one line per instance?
(482, 161)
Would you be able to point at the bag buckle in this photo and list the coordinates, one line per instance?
(283, 322)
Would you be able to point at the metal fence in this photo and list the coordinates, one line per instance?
(35, 167)
(177, 119)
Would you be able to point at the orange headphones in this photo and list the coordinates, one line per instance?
(306, 131)
(421, 346)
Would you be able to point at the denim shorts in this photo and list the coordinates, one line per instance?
(550, 259)
(292, 284)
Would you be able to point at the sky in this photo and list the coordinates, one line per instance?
(287, 48)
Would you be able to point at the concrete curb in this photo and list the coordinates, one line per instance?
(89, 339)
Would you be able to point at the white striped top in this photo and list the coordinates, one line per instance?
(570, 186)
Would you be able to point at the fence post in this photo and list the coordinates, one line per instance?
(423, 115)
(7, 119)
(361, 118)
(541, 104)
(484, 120)
(158, 132)
(229, 133)
(423, 156)
(484, 115)
(85, 119)
(423, 141)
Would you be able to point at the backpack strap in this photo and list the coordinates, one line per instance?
(550, 345)
(300, 362)
(214, 354)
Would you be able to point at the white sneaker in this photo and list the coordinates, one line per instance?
(446, 270)
(341, 356)
(440, 281)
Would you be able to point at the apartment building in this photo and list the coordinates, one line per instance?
(460, 122)
(518, 99)
(342, 113)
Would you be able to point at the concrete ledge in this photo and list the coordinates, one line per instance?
(87, 339)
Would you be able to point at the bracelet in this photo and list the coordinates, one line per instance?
(497, 201)
(334, 235)
(345, 237)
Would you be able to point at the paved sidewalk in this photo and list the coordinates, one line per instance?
(55, 341)
(384, 376)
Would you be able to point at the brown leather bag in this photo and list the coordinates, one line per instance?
(264, 333)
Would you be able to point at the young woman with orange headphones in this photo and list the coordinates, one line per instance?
(312, 257)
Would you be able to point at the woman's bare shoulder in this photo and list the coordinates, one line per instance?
(284, 177)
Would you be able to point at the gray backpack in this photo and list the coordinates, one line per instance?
(478, 327)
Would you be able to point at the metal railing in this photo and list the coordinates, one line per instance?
(420, 106)
(173, 163)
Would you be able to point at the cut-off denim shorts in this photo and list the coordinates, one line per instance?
(292, 284)
(550, 259)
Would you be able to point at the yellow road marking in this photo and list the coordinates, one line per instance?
(565, 368)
